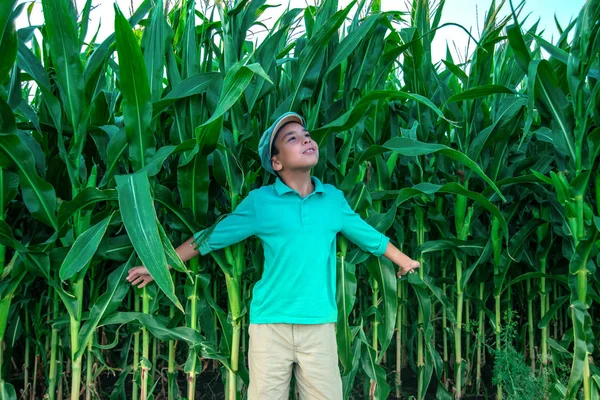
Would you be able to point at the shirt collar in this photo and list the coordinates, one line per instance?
(282, 188)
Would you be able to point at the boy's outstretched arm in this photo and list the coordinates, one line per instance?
(403, 261)
(140, 277)
(234, 228)
(369, 239)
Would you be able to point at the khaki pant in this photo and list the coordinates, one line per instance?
(310, 350)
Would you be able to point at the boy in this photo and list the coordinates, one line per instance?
(293, 309)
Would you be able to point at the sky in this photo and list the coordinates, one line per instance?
(468, 13)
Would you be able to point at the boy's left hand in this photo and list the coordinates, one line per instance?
(409, 268)
(139, 276)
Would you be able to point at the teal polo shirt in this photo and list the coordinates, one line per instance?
(298, 284)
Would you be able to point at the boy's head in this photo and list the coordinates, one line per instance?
(287, 145)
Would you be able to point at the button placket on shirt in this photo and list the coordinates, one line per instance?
(303, 209)
(303, 214)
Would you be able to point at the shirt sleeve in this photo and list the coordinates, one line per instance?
(233, 228)
(359, 232)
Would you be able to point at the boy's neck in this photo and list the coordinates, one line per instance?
(300, 181)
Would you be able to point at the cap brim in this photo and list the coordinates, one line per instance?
(294, 118)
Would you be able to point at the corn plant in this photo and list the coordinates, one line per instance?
(482, 166)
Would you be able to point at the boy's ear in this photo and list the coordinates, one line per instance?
(276, 164)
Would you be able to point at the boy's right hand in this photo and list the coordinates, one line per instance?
(139, 276)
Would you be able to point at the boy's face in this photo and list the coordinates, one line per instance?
(297, 150)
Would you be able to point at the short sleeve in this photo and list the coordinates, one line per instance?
(233, 228)
(359, 232)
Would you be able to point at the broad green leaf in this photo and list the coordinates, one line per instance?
(163, 196)
(10, 188)
(517, 241)
(7, 238)
(115, 248)
(137, 106)
(139, 217)
(561, 55)
(114, 151)
(154, 44)
(480, 91)
(425, 304)
(116, 289)
(580, 268)
(38, 195)
(551, 312)
(28, 62)
(520, 50)
(382, 222)
(534, 178)
(345, 297)
(7, 291)
(234, 85)
(348, 379)
(188, 87)
(85, 198)
(315, 46)
(460, 74)
(384, 272)
(8, 38)
(265, 56)
(411, 148)
(583, 346)
(85, 16)
(472, 246)
(353, 116)
(537, 275)
(441, 297)
(5, 18)
(193, 180)
(63, 40)
(374, 371)
(94, 67)
(84, 248)
(7, 391)
(347, 46)
(173, 258)
(543, 89)
(158, 326)
(8, 123)
(236, 81)
(483, 257)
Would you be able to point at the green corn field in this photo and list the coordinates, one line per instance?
(114, 152)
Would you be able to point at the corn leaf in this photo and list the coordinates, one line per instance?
(139, 217)
(384, 272)
(116, 289)
(373, 370)
(154, 44)
(63, 40)
(410, 148)
(83, 249)
(137, 107)
(86, 197)
(345, 297)
(38, 195)
(8, 38)
(158, 326)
